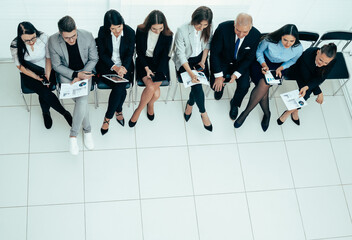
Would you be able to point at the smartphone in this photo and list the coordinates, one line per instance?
(45, 81)
(158, 77)
(198, 68)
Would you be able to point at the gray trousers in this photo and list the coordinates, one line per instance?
(80, 115)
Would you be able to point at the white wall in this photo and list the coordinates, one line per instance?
(312, 15)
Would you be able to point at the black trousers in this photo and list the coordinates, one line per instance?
(197, 94)
(117, 97)
(47, 98)
(243, 83)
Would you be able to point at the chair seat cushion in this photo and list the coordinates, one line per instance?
(339, 70)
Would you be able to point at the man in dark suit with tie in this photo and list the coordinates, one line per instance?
(232, 51)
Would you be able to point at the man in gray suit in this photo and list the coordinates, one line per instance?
(73, 57)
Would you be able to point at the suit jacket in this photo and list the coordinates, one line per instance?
(184, 44)
(160, 54)
(306, 73)
(59, 54)
(223, 48)
(104, 44)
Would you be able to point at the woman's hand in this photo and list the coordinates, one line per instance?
(121, 71)
(265, 68)
(278, 71)
(320, 98)
(303, 91)
(194, 78)
(149, 72)
(202, 64)
(38, 78)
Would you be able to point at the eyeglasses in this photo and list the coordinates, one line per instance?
(70, 38)
(33, 39)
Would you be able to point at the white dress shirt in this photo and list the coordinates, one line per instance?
(198, 45)
(151, 43)
(116, 42)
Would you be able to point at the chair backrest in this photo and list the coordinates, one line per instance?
(337, 35)
(308, 37)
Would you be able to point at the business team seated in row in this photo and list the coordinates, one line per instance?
(238, 53)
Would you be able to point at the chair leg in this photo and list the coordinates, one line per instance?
(130, 97)
(135, 96)
(208, 91)
(340, 87)
(273, 93)
(24, 99)
(174, 94)
(96, 99)
(167, 95)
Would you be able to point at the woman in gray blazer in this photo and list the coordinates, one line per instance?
(192, 44)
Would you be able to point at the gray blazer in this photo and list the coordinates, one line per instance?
(59, 54)
(184, 44)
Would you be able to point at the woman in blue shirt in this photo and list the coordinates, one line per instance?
(277, 51)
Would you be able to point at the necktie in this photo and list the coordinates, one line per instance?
(236, 47)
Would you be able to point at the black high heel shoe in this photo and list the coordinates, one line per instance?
(103, 131)
(150, 116)
(131, 124)
(295, 121)
(121, 122)
(187, 117)
(265, 122)
(279, 122)
(209, 128)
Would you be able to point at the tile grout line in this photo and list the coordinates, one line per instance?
(292, 177)
(84, 195)
(28, 164)
(190, 170)
(244, 187)
(337, 166)
(139, 182)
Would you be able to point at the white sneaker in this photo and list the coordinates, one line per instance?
(74, 150)
(88, 141)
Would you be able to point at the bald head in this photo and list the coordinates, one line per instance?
(243, 24)
(244, 19)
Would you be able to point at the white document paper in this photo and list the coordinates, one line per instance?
(187, 81)
(115, 78)
(77, 89)
(292, 100)
(270, 79)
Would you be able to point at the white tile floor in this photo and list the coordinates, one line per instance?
(172, 180)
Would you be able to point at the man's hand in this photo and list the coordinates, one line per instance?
(84, 75)
(233, 78)
(75, 80)
(219, 83)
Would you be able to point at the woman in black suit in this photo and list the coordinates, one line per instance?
(309, 72)
(153, 44)
(115, 47)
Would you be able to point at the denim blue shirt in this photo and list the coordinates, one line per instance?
(277, 53)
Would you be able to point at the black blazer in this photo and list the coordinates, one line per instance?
(161, 52)
(306, 73)
(104, 44)
(222, 48)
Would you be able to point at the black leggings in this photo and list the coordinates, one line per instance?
(197, 94)
(47, 98)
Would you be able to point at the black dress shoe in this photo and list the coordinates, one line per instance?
(295, 121)
(48, 122)
(103, 131)
(265, 122)
(209, 128)
(218, 95)
(233, 112)
(150, 117)
(237, 125)
(68, 118)
(279, 122)
(121, 122)
(131, 124)
(187, 117)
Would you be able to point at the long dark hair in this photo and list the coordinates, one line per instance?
(23, 28)
(155, 17)
(112, 17)
(330, 51)
(288, 29)
(200, 14)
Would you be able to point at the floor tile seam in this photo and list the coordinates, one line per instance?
(244, 187)
(336, 165)
(191, 175)
(330, 238)
(28, 168)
